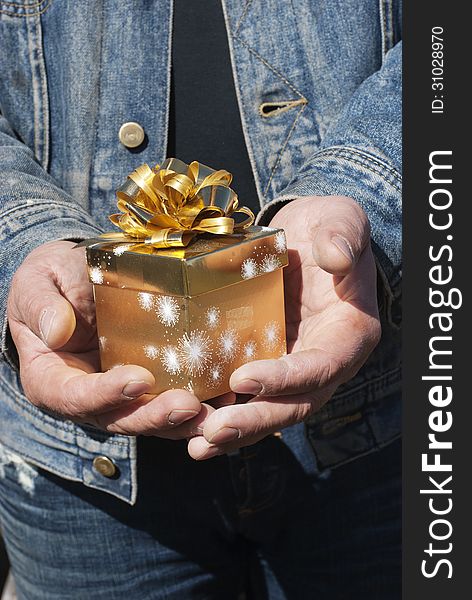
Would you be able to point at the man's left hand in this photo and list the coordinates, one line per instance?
(332, 326)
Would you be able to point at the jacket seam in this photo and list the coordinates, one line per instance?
(269, 66)
(99, 100)
(44, 94)
(243, 15)
(368, 161)
(35, 211)
(26, 7)
(243, 110)
(282, 148)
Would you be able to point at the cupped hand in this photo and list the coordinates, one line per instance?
(51, 314)
(332, 326)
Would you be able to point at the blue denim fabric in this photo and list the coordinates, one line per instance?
(264, 521)
(72, 72)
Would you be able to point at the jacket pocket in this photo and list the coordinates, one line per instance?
(363, 421)
(365, 413)
(62, 447)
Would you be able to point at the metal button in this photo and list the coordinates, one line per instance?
(105, 466)
(131, 134)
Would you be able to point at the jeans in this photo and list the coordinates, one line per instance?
(261, 523)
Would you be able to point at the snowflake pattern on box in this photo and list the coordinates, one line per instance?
(146, 301)
(170, 359)
(215, 375)
(249, 268)
(280, 242)
(270, 263)
(96, 275)
(249, 350)
(195, 352)
(151, 351)
(271, 335)
(212, 317)
(167, 310)
(228, 344)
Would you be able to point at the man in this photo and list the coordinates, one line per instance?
(84, 96)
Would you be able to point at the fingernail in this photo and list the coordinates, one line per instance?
(209, 453)
(343, 245)
(248, 386)
(45, 323)
(178, 416)
(225, 435)
(133, 389)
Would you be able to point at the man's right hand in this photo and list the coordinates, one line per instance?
(51, 315)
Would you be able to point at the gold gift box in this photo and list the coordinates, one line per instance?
(191, 315)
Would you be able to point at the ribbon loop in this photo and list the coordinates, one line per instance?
(167, 206)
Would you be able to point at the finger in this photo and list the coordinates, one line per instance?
(36, 301)
(190, 428)
(174, 414)
(233, 427)
(297, 373)
(67, 387)
(341, 233)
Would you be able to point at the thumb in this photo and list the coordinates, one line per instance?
(342, 232)
(36, 302)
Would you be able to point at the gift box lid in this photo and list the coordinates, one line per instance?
(209, 262)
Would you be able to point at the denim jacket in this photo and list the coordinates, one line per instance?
(319, 91)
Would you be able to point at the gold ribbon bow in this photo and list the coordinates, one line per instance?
(168, 205)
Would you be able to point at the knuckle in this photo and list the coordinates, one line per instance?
(281, 380)
(261, 421)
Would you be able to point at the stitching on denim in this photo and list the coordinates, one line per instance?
(45, 97)
(35, 211)
(242, 107)
(35, 89)
(293, 88)
(99, 97)
(386, 25)
(348, 150)
(269, 66)
(282, 149)
(383, 27)
(24, 4)
(170, 23)
(376, 448)
(246, 7)
(390, 18)
(367, 161)
(33, 13)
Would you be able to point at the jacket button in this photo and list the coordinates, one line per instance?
(131, 134)
(105, 466)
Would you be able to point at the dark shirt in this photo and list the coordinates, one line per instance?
(205, 123)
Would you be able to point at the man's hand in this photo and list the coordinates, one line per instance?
(51, 315)
(332, 326)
